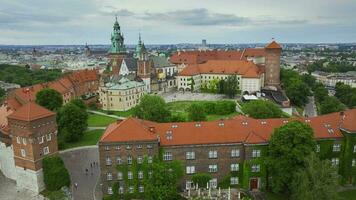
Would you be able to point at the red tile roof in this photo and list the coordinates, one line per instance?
(242, 67)
(30, 111)
(240, 129)
(273, 45)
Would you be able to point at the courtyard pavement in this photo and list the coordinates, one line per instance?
(77, 161)
(9, 191)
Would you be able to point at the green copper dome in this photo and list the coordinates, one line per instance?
(117, 40)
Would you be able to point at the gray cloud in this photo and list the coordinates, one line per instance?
(197, 17)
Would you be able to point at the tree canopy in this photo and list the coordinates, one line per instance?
(317, 180)
(72, 122)
(55, 174)
(2, 94)
(288, 147)
(261, 109)
(330, 105)
(50, 99)
(345, 94)
(152, 107)
(231, 86)
(196, 112)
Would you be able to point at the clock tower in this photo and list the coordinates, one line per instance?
(117, 50)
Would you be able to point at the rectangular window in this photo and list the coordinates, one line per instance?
(354, 148)
(107, 148)
(129, 175)
(108, 161)
(117, 147)
(40, 140)
(119, 160)
(213, 168)
(167, 156)
(119, 176)
(318, 148)
(189, 185)
(45, 151)
(139, 159)
(109, 176)
(49, 137)
(129, 160)
(131, 189)
(128, 147)
(256, 153)
(141, 189)
(149, 159)
(149, 146)
(213, 183)
(23, 153)
(190, 169)
(190, 155)
(335, 161)
(24, 141)
(139, 146)
(110, 190)
(140, 175)
(255, 168)
(353, 164)
(234, 167)
(336, 147)
(213, 154)
(235, 153)
(18, 140)
(234, 180)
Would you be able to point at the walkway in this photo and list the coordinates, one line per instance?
(77, 160)
(104, 114)
(310, 108)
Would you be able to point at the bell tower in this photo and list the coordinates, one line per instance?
(144, 65)
(272, 64)
(117, 50)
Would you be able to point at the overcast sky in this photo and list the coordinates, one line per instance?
(177, 21)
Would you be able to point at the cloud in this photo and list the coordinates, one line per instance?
(197, 17)
(112, 11)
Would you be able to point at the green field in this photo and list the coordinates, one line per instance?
(348, 195)
(182, 106)
(89, 138)
(96, 120)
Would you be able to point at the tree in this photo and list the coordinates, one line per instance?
(309, 80)
(317, 180)
(152, 107)
(201, 179)
(298, 92)
(72, 122)
(330, 105)
(55, 174)
(320, 92)
(345, 94)
(288, 147)
(80, 103)
(196, 112)
(225, 107)
(162, 184)
(50, 99)
(231, 86)
(2, 94)
(261, 109)
(221, 86)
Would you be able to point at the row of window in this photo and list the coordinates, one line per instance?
(45, 151)
(39, 125)
(130, 189)
(336, 148)
(119, 160)
(129, 147)
(40, 140)
(214, 168)
(130, 175)
(190, 155)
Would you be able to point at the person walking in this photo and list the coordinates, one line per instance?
(76, 185)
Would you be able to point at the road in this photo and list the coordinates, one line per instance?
(77, 161)
(310, 108)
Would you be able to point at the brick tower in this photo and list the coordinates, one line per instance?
(144, 65)
(272, 64)
(33, 131)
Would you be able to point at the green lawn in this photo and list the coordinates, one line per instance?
(89, 138)
(348, 195)
(273, 196)
(181, 107)
(96, 120)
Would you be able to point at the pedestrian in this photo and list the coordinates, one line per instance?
(86, 171)
(76, 185)
(91, 165)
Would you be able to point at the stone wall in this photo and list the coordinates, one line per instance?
(7, 163)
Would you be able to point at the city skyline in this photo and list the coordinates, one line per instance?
(257, 21)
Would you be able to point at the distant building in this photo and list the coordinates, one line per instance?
(330, 79)
(8, 86)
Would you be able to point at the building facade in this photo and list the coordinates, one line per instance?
(232, 151)
(31, 133)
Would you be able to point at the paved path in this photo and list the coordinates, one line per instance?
(90, 128)
(104, 114)
(9, 191)
(77, 161)
(188, 96)
(310, 108)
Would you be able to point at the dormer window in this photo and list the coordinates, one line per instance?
(197, 125)
(263, 122)
(221, 123)
(169, 135)
(244, 123)
(174, 125)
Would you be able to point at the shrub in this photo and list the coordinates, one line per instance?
(55, 174)
(225, 107)
(201, 179)
(196, 112)
(209, 107)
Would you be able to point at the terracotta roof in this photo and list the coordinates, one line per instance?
(30, 111)
(240, 129)
(242, 67)
(273, 45)
(131, 129)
